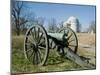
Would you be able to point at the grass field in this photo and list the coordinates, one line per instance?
(54, 62)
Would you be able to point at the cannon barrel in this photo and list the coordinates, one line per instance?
(58, 36)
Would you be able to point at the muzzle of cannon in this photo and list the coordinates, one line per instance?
(38, 42)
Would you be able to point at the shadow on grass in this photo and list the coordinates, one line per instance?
(54, 60)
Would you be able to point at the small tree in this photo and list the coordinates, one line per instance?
(92, 27)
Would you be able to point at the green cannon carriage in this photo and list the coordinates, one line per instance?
(38, 42)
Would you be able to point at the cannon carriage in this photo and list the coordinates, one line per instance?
(38, 42)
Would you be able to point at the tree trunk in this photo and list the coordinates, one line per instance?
(18, 32)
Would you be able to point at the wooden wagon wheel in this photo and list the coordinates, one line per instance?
(36, 45)
(72, 40)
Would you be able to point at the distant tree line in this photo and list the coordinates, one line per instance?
(22, 18)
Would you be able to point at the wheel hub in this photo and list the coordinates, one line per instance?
(35, 47)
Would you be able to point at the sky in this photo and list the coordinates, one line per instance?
(61, 12)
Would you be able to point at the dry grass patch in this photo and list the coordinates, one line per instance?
(86, 38)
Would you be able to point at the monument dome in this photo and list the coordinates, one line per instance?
(73, 23)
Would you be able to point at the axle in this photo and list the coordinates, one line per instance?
(58, 41)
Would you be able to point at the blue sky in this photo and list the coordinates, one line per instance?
(61, 12)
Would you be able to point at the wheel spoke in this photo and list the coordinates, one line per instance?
(32, 35)
(39, 57)
(28, 45)
(72, 45)
(31, 54)
(30, 40)
(42, 51)
(41, 42)
(40, 38)
(40, 47)
(40, 54)
(69, 36)
(34, 32)
(38, 33)
(34, 58)
(71, 40)
(29, 50)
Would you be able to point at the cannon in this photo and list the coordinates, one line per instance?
(38, 42)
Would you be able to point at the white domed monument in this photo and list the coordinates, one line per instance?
(73, 23)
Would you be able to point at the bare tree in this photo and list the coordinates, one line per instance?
(16, 12)
(92, 27)
(52, 25)
(60, 24)
(21, 17)
(40, 20)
